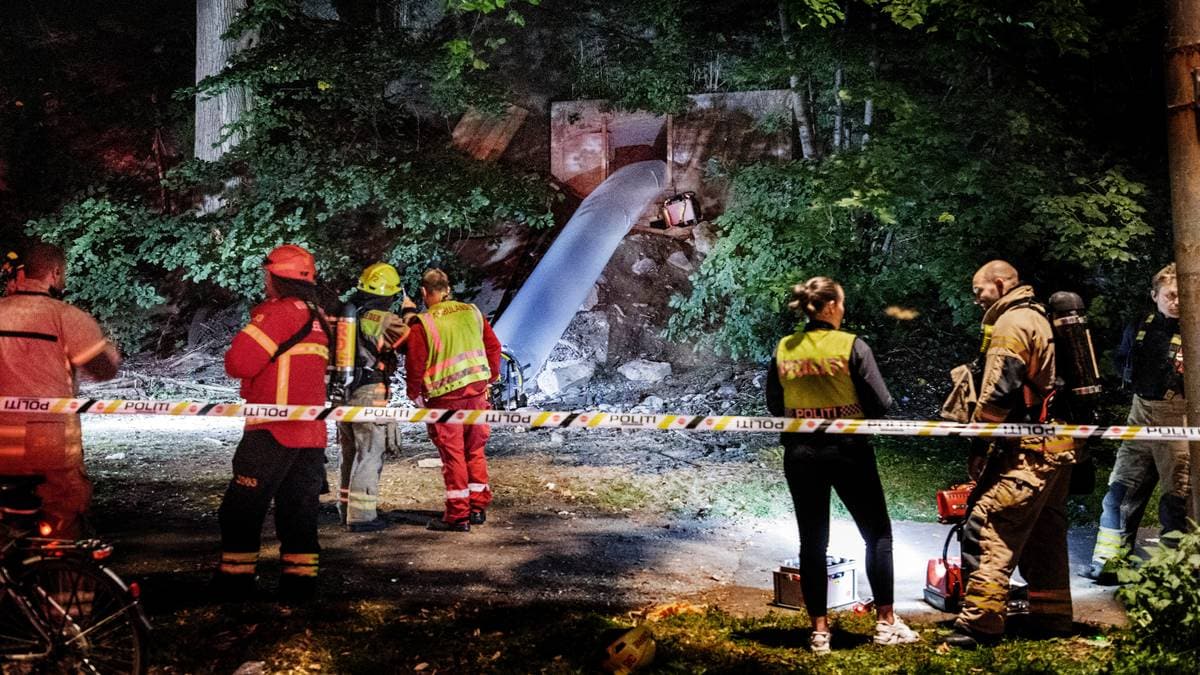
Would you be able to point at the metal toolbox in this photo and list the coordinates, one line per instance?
(841, 586)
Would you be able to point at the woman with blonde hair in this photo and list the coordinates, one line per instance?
(823, 372)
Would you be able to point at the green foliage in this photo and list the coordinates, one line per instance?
(946, 183)
(1162, 596)
(108, 245)
(125, 259)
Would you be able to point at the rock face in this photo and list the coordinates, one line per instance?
(644, 267)
(642, 370)
(680, 261)
(592, 299)
(559, 376)
(704, 237)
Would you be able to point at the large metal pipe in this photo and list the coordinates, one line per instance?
(543, 308)
(1182, 77)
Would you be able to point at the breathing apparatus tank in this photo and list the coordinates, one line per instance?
(1074, 356)
(345, 352)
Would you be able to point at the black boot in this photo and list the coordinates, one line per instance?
(965, 639)
(234, 587)
(478, 517)
(297, 590)
(439, 525)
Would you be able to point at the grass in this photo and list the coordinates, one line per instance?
(372, 637)
(912, 471)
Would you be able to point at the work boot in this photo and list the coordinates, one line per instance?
(368, 525)
(439, 525)
(297, 590)
(965, 639)
(1100, 572)
(478, 517)
(234, 587)
(1038, 627)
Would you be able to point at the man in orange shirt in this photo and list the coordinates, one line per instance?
(452, 356)
(44, 344)
(281, 357)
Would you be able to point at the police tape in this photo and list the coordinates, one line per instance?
(542, 419)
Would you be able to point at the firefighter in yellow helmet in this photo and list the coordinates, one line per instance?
(822, 372)
(380, 337)
(1018, 518)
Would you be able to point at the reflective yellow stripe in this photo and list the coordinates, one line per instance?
(724, 420)
(668, 420)
(89, 353)
(540, 419)
(420, 414)
(255, 333)
(309, 349)
(283, 373)
(352, 413)
(300, 564)
(794, 425)
(473, 416)
(180, 407)
(597, 420)
(238, 562)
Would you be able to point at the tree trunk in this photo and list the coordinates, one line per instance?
(800, 108)
(838, 118)
(214, 113)
(869, 102)
(1183, 152)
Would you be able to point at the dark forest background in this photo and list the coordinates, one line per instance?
(931, 136)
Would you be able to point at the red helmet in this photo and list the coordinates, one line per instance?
(292, 262)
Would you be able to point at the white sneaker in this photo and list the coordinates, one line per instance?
(897, 633)
(819, 642)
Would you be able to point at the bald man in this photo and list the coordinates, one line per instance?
(1019, 516)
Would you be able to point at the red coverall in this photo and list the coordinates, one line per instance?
(282, 462)
(464, 465)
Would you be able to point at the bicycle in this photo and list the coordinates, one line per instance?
(62, 610)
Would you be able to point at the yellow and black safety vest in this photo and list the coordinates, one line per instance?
(457, 358)
(814, 369)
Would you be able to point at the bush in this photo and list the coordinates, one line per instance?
(127, 261)
(1162, 596)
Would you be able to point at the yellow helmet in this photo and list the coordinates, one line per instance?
(380, 279)
(633, 650)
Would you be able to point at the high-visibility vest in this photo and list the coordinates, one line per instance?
(814, 369)
(454, 332)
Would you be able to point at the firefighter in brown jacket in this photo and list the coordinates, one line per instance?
(1019, 517)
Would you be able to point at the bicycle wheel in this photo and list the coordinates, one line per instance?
(89, 614)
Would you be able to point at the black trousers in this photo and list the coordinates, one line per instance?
(847, 466)
(264, 470)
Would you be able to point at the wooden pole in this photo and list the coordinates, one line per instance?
(1182, 84)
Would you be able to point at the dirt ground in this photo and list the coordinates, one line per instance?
(606, 523)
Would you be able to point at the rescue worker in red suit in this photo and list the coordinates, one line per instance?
(45, 344)
(452, 357)
(281, 357)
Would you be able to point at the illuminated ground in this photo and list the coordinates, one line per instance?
(605, 535)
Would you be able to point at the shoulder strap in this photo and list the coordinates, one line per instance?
(313, 315)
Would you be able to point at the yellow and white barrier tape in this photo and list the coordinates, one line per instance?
(586, 420)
